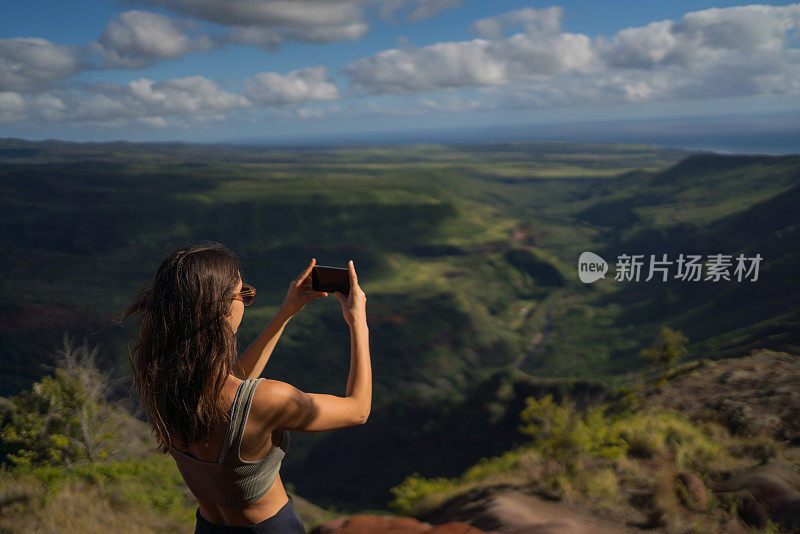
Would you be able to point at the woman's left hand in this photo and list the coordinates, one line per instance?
(300, 292)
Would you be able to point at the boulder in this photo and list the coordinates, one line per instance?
(767, 492)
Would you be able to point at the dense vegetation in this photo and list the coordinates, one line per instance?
(468, 255)
(64, 446)
(647, 466)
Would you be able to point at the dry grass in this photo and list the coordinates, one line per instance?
(28, 505)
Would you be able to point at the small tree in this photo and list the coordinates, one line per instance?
(668, 348)
(63, 418)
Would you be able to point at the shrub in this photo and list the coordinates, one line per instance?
(602, 484)
(63, 418)
(413, 489)
(650, 434)
(153, 481)
(564, 435)
(580, 446)
(488, 466)
(667, 349)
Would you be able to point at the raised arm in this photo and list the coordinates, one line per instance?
(282, 405)
(256, 356)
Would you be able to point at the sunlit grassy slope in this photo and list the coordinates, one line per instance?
(468, 254)
(429, 227)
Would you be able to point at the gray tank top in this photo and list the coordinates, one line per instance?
(233, 482)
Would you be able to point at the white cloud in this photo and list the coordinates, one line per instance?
(541, 21)
(469, 63)
(745, 28)
(271, 39)
(426, 9)
(167, 102)
(31, 62)
(715, 52)
(49, 107)
(403, 106)
(138, 99)
(763, 74)
(297, 13)
(645, 47)
(257, 36)
(573, 90)
(737, 51)
(12, 107)
(419, 9)
(272, 88)
(449, 103)
(702, 37)
(137, 39)
(193, 94)
(268, 23)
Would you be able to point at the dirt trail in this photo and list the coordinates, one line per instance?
(539, 338)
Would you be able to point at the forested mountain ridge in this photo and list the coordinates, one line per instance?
(468, 254)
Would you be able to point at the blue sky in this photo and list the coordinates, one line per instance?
(206, 70)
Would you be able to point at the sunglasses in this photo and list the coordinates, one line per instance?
(246, 295)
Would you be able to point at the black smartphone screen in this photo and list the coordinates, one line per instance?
(330, 279)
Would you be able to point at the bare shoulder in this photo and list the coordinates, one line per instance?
(273, 399)
(281, 405)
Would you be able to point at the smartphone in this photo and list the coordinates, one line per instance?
(330, 279)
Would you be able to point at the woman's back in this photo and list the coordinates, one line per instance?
(257, 441)
(237, 489)
(186, 366)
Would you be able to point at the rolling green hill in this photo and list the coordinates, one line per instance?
(85, 225)
(468, 255)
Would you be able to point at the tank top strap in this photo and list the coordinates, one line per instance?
(241, 409)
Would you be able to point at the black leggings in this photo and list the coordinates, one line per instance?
(286, 521)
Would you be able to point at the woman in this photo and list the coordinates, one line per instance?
(226, 428)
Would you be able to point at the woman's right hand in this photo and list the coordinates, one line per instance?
(354, 305)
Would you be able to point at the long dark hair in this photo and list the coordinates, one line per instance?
(185, 348)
